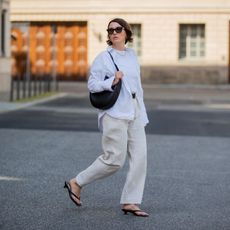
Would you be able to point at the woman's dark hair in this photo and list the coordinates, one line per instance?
(127, 28)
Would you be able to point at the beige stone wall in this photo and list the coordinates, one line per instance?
(120, 6)
(160, 29)
(160, 38)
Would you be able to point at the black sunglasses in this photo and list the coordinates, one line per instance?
(117, 29)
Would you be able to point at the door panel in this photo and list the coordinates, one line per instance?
(54, 49)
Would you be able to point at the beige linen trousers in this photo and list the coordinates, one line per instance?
(121, 138)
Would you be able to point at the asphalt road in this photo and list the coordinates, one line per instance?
(187, 186)
(75, 114)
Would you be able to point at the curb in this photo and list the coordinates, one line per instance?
(10, 106)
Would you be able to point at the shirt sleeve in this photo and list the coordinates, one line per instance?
(97, 81)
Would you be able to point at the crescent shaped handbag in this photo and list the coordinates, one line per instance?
(106, 99)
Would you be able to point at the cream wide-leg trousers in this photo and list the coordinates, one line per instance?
(120, 138)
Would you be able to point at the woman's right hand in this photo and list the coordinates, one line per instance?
(118, 76)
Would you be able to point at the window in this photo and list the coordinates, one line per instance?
(192, 41)
(3, 26)
(136, 44)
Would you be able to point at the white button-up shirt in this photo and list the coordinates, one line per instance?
(131, 83)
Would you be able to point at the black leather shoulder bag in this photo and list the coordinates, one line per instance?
(106, 99)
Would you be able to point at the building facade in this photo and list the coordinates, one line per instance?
(177, 41)
(5, 70)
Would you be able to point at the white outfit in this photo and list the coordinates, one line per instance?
(131, 83)
(122, 125)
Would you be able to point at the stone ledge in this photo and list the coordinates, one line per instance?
(185, 74)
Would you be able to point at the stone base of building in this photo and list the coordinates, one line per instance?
(185, 74)
(4, 96)
(5, 79)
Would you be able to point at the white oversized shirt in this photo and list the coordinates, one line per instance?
(103, 67)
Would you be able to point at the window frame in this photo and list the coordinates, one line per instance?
(138, 48)
(188, 40)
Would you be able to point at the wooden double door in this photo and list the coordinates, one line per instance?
(54, 49)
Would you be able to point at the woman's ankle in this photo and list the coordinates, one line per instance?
(74, 181)
(130, 205)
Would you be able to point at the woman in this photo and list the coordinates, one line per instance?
(122, 126)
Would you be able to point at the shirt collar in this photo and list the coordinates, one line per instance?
(110, 48)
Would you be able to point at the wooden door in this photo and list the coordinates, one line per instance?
(40, 50)
(72, 51)
(55, 49)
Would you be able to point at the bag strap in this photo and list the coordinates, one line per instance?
(113, 60)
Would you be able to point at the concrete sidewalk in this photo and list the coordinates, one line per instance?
(10, 106)
(179, 96)
(186, 92)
